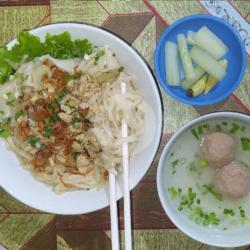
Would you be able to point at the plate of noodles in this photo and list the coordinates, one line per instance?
(61, 108)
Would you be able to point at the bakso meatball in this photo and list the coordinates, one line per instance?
(218, 149)
(233, 180)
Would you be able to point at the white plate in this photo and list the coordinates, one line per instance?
(19, 182)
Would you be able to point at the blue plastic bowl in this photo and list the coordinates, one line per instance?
(236, 57)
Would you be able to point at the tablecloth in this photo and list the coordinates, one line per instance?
(140, 23)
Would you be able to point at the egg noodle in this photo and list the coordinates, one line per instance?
(62, 118)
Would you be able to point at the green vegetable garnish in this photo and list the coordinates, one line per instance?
(75, 154)
(1, 112)
(224, 123)
(62, 47)
(98, 55)
(200, 130)
(48, 132)
(19, 114)
(48, 120)
(205, 218)
(33, 141)
(218, 128)
(230, 212)
(53, 106)
(205, 126)
(174, 165)
(187, 200)
(194, 133)
(211, 190)
(4, 133)
(60, 96)
(173, 192)
(235, 128)
(5, 71)
(245, 143)
(55, 117)
(242, 212)
(71, 103)
(10, 99)
(29, 46)
(203, 163)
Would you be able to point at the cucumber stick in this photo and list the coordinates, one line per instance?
(207, 62)
(208, 41)
(172, 61)
(185, 57)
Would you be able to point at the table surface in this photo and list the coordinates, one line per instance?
(140, 23)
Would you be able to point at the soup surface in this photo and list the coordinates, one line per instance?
(190, 179)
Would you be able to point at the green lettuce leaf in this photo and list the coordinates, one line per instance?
(58, 46)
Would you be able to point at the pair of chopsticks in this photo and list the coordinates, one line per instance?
(112, 192)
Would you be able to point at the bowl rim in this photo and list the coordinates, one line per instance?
(166, 206)
(194, 102)
(158, 93)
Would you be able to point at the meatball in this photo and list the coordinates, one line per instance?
(233, 180)
(218, 149)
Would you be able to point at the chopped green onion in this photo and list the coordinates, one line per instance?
(187, 200)
(71, 103)
(10, 99)
(48, 132)
(48, 120)
(230, 212)
(242, 212)
(4, 133)
(203, 163)
(75, 154)
(53, 106)
(1, 112)
(19, 114)
(194, 133)
(174, 165)
(205, 126)
(224, 123)
(200, 130)
(33, 140)
(55, 117)
(173, 192)
(60, 96)
(245, 143)
(205, 218)
(235, 128)
(211, 190)
(98, 55)
(5, 123)
(218, 128)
